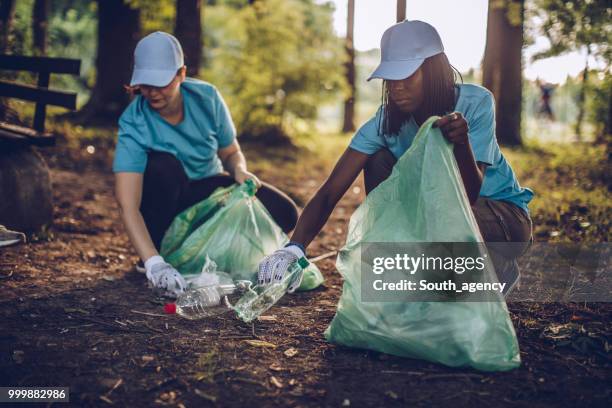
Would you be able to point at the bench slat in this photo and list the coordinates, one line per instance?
(25, 135)
(34, 94)
(40, 64)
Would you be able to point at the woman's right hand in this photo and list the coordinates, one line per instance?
(273, 268)
(164, 276)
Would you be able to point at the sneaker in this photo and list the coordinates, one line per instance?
(8, 237)
(510, 275)
(140, 268)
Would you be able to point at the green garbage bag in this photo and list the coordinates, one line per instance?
(234, 229)
(423, 200)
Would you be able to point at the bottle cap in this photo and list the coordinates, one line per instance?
(170, 308)
(303, 262)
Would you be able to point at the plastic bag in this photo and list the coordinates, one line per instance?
(423, 200)
(232, 228)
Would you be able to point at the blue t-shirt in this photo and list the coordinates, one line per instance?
(206, 127)
(478, 107)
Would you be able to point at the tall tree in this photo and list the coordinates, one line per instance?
(573, 25)
(7, 15)
(401, 10)
(118, 32)
(502, 66)
(349, 102)
(188, 30)
(40, 17)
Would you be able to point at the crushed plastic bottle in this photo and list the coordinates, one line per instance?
(207, 301)
(262, 297)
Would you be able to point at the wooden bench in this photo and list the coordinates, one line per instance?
(26, 199)
(39, 94)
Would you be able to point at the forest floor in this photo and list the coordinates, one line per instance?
(75, 312)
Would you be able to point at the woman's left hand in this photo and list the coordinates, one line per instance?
(454, 127)
(242, 175)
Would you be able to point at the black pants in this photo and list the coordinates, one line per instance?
(167, 191)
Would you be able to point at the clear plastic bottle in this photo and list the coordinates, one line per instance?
(205, 301)
(262, 297)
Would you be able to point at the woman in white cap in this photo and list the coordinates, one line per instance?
(419, 82)
(175, 140)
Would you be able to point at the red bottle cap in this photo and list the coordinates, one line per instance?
(170, 308)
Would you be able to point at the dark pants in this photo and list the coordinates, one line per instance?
(167, 191)
(499, 221)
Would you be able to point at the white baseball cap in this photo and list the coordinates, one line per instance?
(404, 47)
(157, 58)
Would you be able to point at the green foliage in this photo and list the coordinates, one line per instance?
(275, 62)
(598, 104)
(572, 25)
(155, 15)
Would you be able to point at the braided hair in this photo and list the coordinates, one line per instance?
(439, 79)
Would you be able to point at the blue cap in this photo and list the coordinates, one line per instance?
(157, 58)
(404, 47)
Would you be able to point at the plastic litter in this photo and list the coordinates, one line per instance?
(262, 297)
(233, 229)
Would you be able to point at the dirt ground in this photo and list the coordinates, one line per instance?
(75, 313)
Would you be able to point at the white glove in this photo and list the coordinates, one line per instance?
(274, 267)
(163, 276)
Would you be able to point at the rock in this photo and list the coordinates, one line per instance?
(25, 190)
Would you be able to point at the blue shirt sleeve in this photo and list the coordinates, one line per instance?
(226, 131)
(367, 139)
(130, 154)
(482, 131)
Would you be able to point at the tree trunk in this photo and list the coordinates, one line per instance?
(502, 67)
(118, 32)
(581, 96)
(40, 16)
(25, 188)
(7, 15)
(188, 30)
(349, 102)
(401, 10)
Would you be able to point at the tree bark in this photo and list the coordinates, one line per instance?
(7, 15)
(581, 97)
(188, 30)
(502, 67)
(118, 32)
(349, 102)
(40, 16)
(25, 188)
(401, 10)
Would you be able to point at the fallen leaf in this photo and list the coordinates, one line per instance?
(292, 382)
(260, 343)
(275, 382)
(290, 352)
(275, 367)
(391, 394)
(271, 318)
(147, 359)
(202, 394)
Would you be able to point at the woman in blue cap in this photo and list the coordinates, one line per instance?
(175, 141)
(419, 82)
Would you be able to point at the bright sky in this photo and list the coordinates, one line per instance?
(462, 26)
